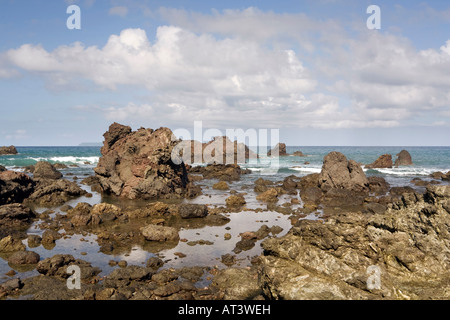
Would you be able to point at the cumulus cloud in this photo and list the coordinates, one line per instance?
(237, 67)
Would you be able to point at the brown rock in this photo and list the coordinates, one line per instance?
(46, 170)
(279, 149)
(338, 172)
(403, 159)
(384, 161)
(8, 150)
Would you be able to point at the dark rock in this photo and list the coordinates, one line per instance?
(15, 217)
(384, 161)
(189, 211)
(49, 192)
(298, 154)
(403, 159)
(154, 263)
(46, 170)
(278, 150)
(24, 257)
(139, 164)
(340, 173)
(14, 187)
(378, 185)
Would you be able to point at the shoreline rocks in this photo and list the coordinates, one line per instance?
(279, 149)
(384, 161)
(403, 159)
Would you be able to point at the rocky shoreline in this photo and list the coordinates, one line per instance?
(368, 240)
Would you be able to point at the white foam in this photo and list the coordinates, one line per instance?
(306, 169)
(68, 159)
(407, 171)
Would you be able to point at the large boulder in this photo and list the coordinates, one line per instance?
(383, 161)
(14, 187)
(403, 159)
(138, 164)
(401, 253)
(46, 170)
(50, 192)
(160, 233)
(340, 173)
(279, 149)
(8, 150)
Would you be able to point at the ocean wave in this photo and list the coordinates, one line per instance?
(68, 159)
(406, 171)
(306, 169)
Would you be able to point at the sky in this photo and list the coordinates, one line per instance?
(311, 69)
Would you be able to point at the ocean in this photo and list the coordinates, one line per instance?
(81, 162)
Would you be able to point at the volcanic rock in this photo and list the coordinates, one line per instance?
(46, 170)
(403, 159)
(8, 150)
(279, 149)
(138, 164)
(384, 161)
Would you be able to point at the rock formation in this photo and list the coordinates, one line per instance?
(8, 150)
(46, 170)
(14, 187)
(340, 173)
(139, 164)
(384, 161)
(403, 159)
(402, 253)
(279, 149)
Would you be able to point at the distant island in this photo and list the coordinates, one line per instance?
(90, 144)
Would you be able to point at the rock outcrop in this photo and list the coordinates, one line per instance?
(384, 161)
(339, 173)
(46, 170)
(138, 164)
(279, 149)
(8, 150)
(403, 253)
(15, 187)
(403, 159)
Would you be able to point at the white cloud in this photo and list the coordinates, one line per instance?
(118, 11)
(255, 68)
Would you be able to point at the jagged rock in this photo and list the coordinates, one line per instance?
(11, 244)
(279, 149)
(384, 161)
(406, 247)
(15, 217)
(14, 187)
(403, 159)
(271, 195)
(51, 192)
(340, 173)
(138, 164)
(189, 211)
(222, 172)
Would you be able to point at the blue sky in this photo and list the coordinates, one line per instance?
(311, 69)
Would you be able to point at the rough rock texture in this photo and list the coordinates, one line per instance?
(220, 150)
(8, 150)
(189, 211)
(139, 164)
(298, 154)
(340, 173)
(46, 170)
(15, 217)
(384, 161)
(14, 187)
(49, 192)
(160, 233)
(279, 149)
(222, 172)
(403, 159)
(403, 253)
(24, 257)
